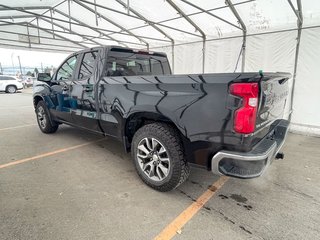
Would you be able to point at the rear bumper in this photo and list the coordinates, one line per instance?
(251, 164)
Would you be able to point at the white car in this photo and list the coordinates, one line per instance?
(10, 84)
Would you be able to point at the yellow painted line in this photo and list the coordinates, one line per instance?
(21, 126)
(171, 230)
(48, 154)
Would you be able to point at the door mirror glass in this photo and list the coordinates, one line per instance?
(44, 77)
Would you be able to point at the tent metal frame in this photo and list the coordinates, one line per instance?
(189, 20)
(298, 13)
(140, 41)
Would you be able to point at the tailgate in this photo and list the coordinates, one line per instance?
(274, 91)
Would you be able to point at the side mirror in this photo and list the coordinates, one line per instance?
(44, 77)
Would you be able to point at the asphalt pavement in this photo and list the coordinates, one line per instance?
(77, 185)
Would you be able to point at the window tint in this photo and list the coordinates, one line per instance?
(66, 70)
(6, 78)
(87, 65)
(131, 64)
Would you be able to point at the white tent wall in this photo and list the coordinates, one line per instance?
(188, 58)
(273, 52)
(269, 52)
(306, 110)
(222, 55)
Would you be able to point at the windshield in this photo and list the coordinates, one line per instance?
(128, 63)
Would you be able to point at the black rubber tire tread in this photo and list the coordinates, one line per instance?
(50, 127)
(11, 86)
(172, 142)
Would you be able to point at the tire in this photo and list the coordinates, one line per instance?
(11, 89)
(43, 119)
(165, 167)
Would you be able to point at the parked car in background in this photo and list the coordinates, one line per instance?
(10, 84)
(28, 81)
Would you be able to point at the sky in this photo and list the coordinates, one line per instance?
(29, 59)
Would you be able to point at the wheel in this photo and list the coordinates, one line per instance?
(158, 157)
(45, 125)
(11, 89)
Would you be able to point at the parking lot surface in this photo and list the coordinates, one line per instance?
(77, 185)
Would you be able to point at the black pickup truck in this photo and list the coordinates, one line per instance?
(229, 123)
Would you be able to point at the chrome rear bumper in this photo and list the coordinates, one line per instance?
(251, 164)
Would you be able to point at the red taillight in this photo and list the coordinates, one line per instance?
(245, 117)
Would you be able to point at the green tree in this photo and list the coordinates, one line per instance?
(47, 70)
(36, 71)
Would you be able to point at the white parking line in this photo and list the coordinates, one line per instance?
(21, 126)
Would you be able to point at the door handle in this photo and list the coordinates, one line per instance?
(65, 88)
(88, 88)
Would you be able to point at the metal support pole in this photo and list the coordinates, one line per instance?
(52, 27)
(172, 57)
(299, 24)
(149, 23)
(196, 27)
(20, 65)
(29, 8)
(136, 17)
(203, 55)
(296, 12)
(38, 30)
(128, 8)
(87, 26)
(113, 23)
(123, 31)
(210, 13)
(67, 39)
(71, 31)
(28, 35)
(69, 13)
(95, 12)
(244, 33)
(244, 44)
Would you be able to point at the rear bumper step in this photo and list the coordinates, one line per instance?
(251, 164)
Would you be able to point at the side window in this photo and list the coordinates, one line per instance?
(87, 65)
(1, 78)
(66, 70)
(11, 78)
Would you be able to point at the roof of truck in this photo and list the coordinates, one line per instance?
(119, 48)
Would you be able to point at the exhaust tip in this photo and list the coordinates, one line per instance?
(279, 155)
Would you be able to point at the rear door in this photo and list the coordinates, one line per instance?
(83, 103)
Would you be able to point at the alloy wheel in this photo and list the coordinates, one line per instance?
(41, 117)
(153, 159)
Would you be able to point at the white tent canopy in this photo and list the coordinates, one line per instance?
(197, 35)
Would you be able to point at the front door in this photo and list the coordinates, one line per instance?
(83, 101)
(60, 102)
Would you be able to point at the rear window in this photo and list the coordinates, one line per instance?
(129, 63)
(87, 65)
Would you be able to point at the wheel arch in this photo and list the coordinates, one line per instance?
(11, 85)
(139, 119)
(36, 100)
